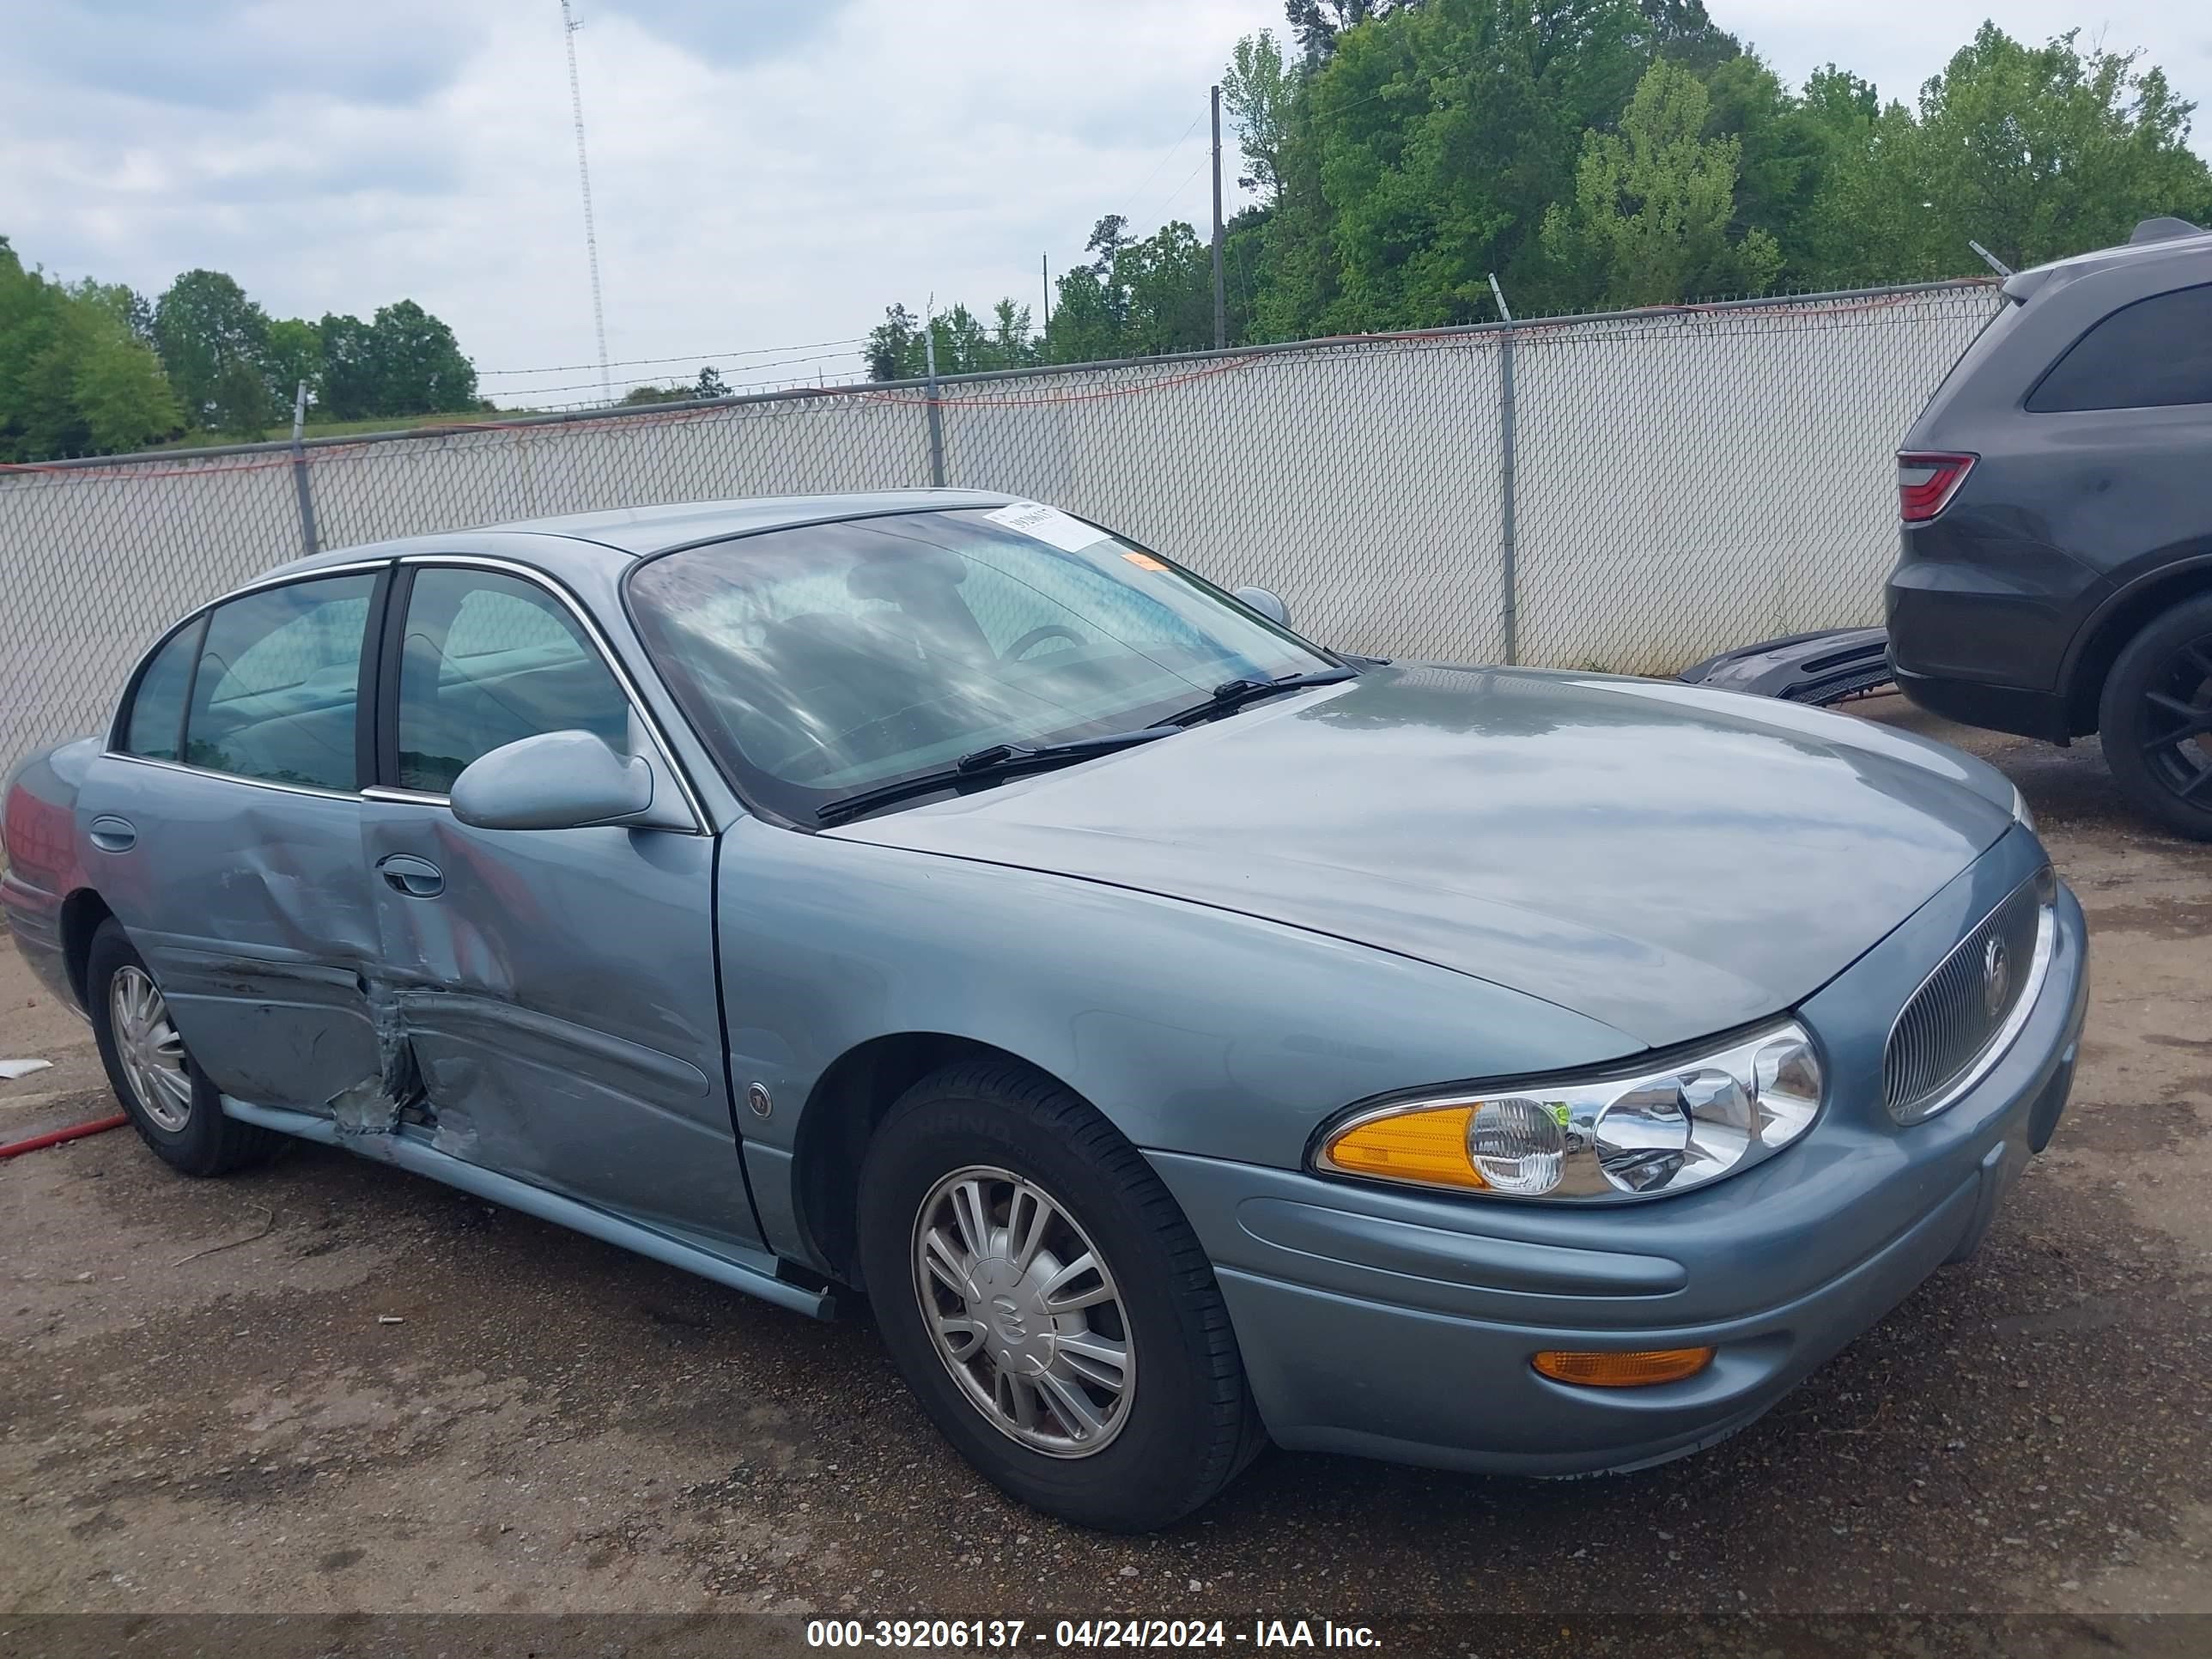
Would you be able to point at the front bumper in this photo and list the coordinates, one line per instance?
(1401, 1326)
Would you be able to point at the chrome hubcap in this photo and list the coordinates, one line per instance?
(1023, 1312)
(152, 1052)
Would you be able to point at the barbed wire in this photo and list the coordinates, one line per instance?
(1814, 310)
(681, 357)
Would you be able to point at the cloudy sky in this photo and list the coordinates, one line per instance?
(768, 174)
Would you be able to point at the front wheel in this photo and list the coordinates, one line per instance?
(2155, 719)
(1047, 1302)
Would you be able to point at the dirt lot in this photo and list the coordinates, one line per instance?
(203, 1409)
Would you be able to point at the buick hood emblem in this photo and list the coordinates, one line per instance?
(1996, 977)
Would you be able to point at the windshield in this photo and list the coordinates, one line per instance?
(833, 658)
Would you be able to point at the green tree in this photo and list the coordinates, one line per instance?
(1653, 203)
(294, 354)
(75, 377)
(2036, 152)
(893, 346)
(709, 383)
(121, 396)
(347, 389)
(1258, 89)
(214, 344)
(1315, 24)
(420, 367)
(1437, 136)
(404, 361)
(1681, 32)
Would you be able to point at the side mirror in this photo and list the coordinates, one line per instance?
(1267, 604)
(556, 780)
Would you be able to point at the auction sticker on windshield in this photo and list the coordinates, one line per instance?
(1048, 524)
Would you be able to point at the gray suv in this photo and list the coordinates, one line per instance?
(2055, 574)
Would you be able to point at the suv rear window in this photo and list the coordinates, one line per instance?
(2154, 353)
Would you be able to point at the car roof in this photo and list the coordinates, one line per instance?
(636, 531)
(2179, 256)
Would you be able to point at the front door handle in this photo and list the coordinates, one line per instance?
(112, 834)
(416, 878)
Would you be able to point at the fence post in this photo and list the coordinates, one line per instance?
(307, 537)
(1510, 612)
(935, 417)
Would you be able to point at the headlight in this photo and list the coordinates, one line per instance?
(2020, 815)
(1630, 1135)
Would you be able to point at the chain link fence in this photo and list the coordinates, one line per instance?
(1629, 492)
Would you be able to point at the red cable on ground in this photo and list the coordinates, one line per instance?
(55, 1137)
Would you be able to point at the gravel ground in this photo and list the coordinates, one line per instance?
(327, 1388)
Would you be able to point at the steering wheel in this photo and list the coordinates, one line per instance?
(1037, 636)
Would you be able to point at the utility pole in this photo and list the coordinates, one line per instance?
(1044, 328)
(1508, 580)
(936, 418)
(1220, 294)
(568, 27)
(309, 539)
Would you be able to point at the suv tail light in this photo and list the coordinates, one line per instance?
(1926, 481)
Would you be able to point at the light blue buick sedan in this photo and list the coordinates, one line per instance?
(1184, 1033)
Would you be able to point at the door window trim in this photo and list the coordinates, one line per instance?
(371, 635)
(392, 630)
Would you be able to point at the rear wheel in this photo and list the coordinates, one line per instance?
(174, 1108)
(1047, 1302)
(2155, 719)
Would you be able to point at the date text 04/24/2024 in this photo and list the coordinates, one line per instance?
(989, 1636)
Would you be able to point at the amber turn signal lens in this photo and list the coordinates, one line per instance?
(1424, 1146)
(1623, 1371)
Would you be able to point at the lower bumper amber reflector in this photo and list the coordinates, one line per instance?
(1623, 1371)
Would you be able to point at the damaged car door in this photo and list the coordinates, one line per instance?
(226, 824)
(555, 988)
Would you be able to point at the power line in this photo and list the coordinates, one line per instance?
(1165, 156)
(546, 390)
(1180, 188)
(681, 357)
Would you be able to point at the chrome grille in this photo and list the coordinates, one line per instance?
(1961, 1010)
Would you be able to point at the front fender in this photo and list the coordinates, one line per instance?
(1193, 1030)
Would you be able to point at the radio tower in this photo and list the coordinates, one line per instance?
(569, 26)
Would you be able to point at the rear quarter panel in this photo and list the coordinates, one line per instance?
(44, 861)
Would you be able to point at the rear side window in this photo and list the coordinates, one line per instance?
(156, 721)
(279, 682)
(2151, 354)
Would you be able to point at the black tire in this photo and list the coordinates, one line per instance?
(1190, 1424)
(205, 1143)
(2157, 703)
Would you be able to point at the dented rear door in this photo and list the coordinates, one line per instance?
(232, 854)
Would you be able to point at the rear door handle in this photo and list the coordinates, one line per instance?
(416, 878)
(112, 834)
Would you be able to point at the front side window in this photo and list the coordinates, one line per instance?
(278, 684)
(488, 659)
(823, 660)
(2150, 354)
(156, 724)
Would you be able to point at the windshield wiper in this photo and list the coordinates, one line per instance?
(1235, 694)
(997, 761)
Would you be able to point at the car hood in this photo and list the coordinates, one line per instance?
(1670, 861)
